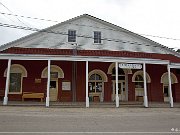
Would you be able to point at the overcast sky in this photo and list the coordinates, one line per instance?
(150, 17)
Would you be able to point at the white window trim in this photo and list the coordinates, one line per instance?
(101, 38)
(54, 68)
(99, 72)
(173, 78)
(140, 72)
(72, 43)
(20, 88)
(17, 68)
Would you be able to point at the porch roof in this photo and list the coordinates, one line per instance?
(82, 58)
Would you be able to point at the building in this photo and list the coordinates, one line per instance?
(86, 59)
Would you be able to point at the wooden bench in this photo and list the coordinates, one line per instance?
(32, 95)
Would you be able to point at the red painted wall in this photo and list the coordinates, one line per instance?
(131, 88)
(176, 93)
(155, 87)
(81, 82)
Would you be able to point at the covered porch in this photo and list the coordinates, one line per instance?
(115, 101)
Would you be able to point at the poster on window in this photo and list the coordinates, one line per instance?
(66, 85)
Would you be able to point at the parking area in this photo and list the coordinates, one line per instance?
(41, 120)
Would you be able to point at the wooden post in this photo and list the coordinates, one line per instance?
(170, 88)
(145, 86)
(7, 83)
(117, 96)
(87, 94)
(48, 83)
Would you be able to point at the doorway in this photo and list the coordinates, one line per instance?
(166, 93)
(53, 92)
(121, 90)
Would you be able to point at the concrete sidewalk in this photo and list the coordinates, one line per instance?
(124, 104)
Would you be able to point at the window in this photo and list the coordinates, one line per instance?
(95, 83)
(97, 37)
(54, 74)
(139, 81)
(166, 91)
(15, 82)
(71, 36)
(52, 84)
(121, 86)
(121, 74)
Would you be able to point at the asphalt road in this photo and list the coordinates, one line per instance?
(78, 121)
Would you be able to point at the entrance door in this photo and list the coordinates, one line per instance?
(166, 93)
(121, 91)
(96, 91)
(53, 92)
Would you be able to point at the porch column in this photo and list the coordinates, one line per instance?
(7, 83)
(126, 86)
(117, 96)
(87, 94)
(170, 88)
(48, 83)
(145, 86)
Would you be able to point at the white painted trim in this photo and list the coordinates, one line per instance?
(54, 68)
(145, 86)
(140, 72)
(113, 95)
(99, 72)
(104, 79)
(87, 93)
(17, 68)
(174, 65)
(82, 58)
(51, 90)
(173, 78)
(48, 83)
(5, 102)
(126, 86)
(20, 92)
(117, 97)
(170, 88)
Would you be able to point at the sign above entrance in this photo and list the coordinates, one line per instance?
(130, 66)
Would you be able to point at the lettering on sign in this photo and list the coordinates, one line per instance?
(130, 66)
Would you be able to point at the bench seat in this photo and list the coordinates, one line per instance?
(33, 95)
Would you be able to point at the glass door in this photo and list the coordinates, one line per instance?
(53, 92)
(166, 93)
(121, 91)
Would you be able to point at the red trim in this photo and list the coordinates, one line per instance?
(16, 50)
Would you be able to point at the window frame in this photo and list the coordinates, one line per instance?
(139, 82)
(21, 79)
(96, 82)
(164, 93)
(54, 75)
(120, 76)
(72, 37)
(97, 36)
